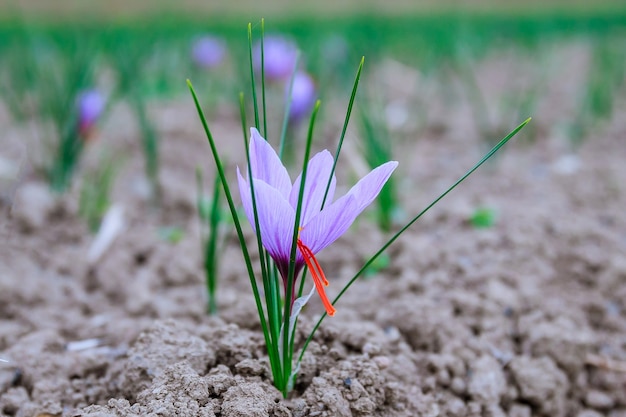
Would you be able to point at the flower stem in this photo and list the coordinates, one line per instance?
(287, 352)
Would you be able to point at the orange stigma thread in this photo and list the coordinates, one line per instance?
(319, 279)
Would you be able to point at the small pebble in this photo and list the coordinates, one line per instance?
(458, 386)
(382, 362)
(392, 333)
(566, 165)
(32, 206)
(456, 407)
(371, 349)
(588, 413)
(599, 400)
(519, 410)
(443, 378)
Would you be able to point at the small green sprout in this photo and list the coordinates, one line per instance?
(483, 218)
(171, 234)
(376, 150)
(382, 262)
(209, 212)
(95, 191)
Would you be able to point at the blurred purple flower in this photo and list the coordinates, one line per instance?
(302, 95)
(277, 199)
(280, 56)
(90, 106)
(208, 51)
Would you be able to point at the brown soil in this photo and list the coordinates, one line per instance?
(525, 318)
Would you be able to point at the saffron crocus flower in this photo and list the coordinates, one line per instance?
(280, 55)
(208, 51)
(90, 106)
(302, 95)
(277, 199)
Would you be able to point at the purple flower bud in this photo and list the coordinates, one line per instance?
(280, 56)
(208, 51)
(302, 95)
(90, 106)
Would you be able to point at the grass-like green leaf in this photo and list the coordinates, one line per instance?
(488, 155)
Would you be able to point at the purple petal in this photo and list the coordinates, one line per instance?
(317, 176)
(330, 224)
(334, 220)
(266, 165)
(275, 215)
(366, 190)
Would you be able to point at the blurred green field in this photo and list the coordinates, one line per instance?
(275, 9)
(141, 51)
(157, 34)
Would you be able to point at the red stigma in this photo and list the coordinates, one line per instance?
(319, 279)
